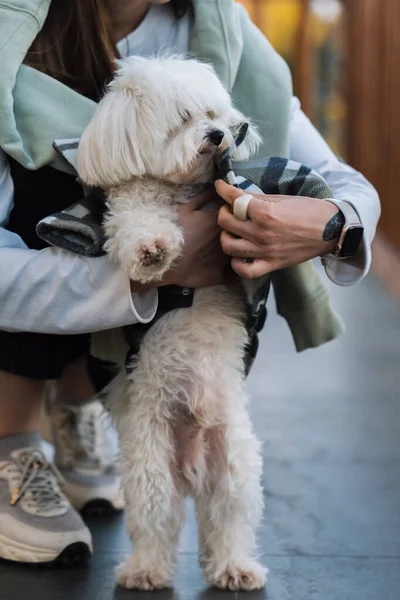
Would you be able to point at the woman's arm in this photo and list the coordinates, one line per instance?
(279, 231)
(285, 230)
(51, 291)
(308, 146)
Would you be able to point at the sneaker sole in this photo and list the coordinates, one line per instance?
(108, 502)
(100, 507)
(74, 554)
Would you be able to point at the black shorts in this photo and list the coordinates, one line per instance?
(43, 356)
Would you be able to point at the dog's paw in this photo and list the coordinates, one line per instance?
(150, 255)
(252, 576)
(156, 257)
(144, 253)
(150, 259)
(132, 578)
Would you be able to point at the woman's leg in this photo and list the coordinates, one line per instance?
(37, 525)
(37, 522)
(21, 402)
(85, 443)
(22, 398)
(75, 387)
(26, 361)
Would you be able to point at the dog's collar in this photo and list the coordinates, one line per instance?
(242, 134)
(224, 161)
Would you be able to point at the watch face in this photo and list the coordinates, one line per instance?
(352, 241)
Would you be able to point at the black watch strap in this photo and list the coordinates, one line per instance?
(352, 233)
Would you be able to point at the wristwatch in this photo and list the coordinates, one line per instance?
(352, 232)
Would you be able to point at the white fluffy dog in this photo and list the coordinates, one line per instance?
(181, 414)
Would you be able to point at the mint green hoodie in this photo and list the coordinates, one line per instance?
(35, 109)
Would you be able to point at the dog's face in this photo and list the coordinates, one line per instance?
(164, 118)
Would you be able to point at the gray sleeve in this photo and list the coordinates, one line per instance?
(308, 146)
(51, 291)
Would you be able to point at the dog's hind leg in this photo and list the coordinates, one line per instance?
(154, 505)
(230, 505)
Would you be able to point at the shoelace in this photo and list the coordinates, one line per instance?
(38, 481)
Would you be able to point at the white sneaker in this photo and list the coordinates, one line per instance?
(85, 447)
(37, 523)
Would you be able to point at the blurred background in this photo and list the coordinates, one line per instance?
(344, 56)
(329, 419)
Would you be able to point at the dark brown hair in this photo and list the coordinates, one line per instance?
(75, 44)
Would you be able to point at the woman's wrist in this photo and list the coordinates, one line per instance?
(137, 287)
(333, 229)
(334, 226)
(329, 247)
(280, 231)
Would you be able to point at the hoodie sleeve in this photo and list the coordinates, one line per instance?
(51, 291)
(309, 147)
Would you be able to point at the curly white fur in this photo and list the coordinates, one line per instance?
(181, 414)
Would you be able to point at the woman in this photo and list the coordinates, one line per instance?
(50, 301)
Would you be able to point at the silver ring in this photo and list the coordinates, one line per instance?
(240, 206)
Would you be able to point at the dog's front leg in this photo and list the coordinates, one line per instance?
(154, 505)
(143, 238)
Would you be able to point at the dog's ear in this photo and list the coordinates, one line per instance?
(245, 134)
(109, 152)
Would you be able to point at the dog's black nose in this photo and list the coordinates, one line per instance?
(216, 136)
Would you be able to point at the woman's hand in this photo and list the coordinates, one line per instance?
(202, 262)
(280, 231)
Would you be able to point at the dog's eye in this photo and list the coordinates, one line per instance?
(211, 115)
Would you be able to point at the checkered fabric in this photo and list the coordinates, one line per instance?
(78, 229)
(274, 175)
